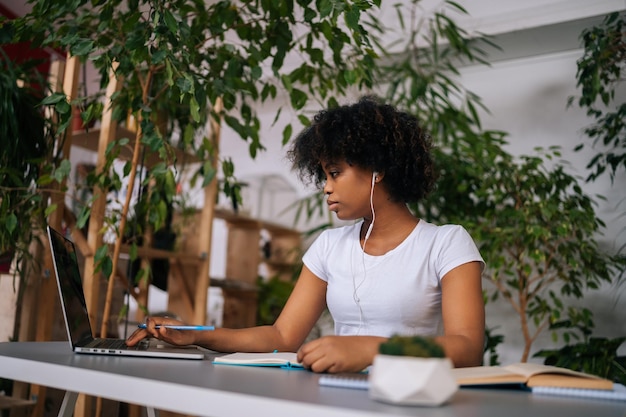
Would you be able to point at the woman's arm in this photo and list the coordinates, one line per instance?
(463, 310)
(303, 308)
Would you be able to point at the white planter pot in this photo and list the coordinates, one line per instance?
(411, 380)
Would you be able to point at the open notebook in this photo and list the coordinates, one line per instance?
(277, 359)
(77, 323)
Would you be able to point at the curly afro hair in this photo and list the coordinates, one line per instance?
(371, 135)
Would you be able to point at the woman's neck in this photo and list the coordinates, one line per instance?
(391, 227)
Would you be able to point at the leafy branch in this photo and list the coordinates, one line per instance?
(600, 73)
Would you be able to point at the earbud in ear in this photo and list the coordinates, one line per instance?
(374, 176)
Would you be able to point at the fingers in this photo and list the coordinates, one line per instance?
(139, 334)
(316, 356)
(150, 330)
(339, 353)
(136, 336)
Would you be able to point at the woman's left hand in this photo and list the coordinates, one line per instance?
(339, 353)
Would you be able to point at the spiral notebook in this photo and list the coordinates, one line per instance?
(354, 381)
(276, 359)
(618, 393)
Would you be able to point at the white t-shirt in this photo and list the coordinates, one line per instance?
(395, 293)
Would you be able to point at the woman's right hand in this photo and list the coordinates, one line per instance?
(175, 337)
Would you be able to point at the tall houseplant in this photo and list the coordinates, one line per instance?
(216, 59)
(535, 226)
(26, 159)
(24, 147)
(600, 74)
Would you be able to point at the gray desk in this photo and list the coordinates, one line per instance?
(203, 389)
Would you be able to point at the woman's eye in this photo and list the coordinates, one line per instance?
(333, 174)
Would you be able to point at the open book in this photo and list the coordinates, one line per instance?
(278, 359)
(530, 375)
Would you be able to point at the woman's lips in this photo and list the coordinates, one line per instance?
(332, 205)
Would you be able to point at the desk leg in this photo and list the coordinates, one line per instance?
(68, 404)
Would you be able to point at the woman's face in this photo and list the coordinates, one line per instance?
(347, 188)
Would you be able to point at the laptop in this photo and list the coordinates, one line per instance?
(79, 331)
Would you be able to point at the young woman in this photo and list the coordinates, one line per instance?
(388, 273)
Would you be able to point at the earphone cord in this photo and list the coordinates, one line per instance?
(371, 226)
(367, 235)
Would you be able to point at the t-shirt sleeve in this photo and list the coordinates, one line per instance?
(314, 257)
(457, 248)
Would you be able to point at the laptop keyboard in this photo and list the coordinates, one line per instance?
(121, 344)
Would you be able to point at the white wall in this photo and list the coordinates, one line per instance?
(8, 298)
(527, 98)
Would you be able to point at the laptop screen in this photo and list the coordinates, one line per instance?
(70, 288)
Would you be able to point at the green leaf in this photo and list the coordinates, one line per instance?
(106, 266)
(185, 84)
(54, 98)
(350, 76)
(101, 252)
(325, 8)
(159, 57)
(194, 108)
(10, 222)
(63, 170)
(352, 19)
(83, 217)
(170, 21)
(287, 132)
(50, 209)
(298, 98)
(82, 48)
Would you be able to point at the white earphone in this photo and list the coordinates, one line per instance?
(371, 226)
(356, 287)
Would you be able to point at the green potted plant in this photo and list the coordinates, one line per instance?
(536, 227)
(25, 151)
(411, 370)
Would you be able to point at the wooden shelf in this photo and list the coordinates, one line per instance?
(88, 139)
(245, 221)
(243, 258)
(151, 253)
(233, 284)
(12, 403)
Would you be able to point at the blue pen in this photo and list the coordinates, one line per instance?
(179, 327)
